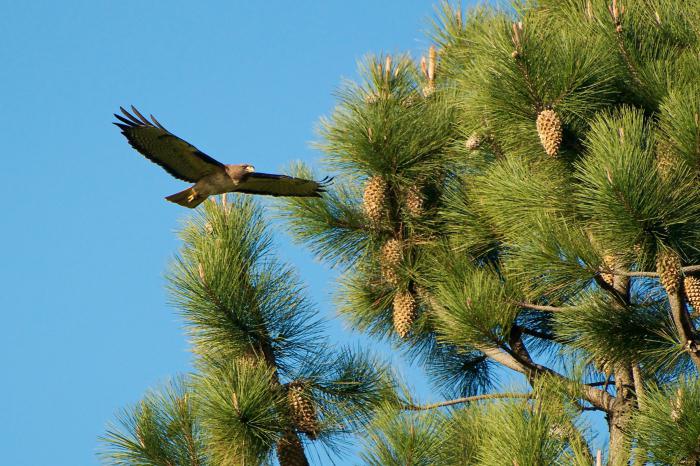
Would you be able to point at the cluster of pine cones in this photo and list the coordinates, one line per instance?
(668, 265)
(376, 207)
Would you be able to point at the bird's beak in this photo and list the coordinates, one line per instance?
(250, 168)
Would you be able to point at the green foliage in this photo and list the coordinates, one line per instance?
(607, 331)
(519, 433)
(459, 371)
(235, 297)
(334, 226)
(668, 423)
(346, 386)
(626, 199)
(240, 407)
(162, 430)
(545, 430)
(465, 223)
(399, 438)
(514, 75)
(515, 194)
(384, 126)
(554, 262)
(679, 125)
(467, 297)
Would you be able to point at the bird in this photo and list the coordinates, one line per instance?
(184, 161)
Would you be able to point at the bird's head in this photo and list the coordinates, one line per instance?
(249, 168)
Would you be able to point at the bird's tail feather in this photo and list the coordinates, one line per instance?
(187, 198)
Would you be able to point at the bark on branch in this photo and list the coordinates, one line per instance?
(466, 399)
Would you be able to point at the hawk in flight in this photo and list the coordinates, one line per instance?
(185, 162)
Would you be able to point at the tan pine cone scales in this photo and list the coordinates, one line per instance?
(473, 142)
(677, 405)
(414, 201)
(668, 265)
(371, 98)
(391, 255)
(550, 131)
(375, 199)
(691, 284)
(664, 160)
(290, 452)
(608, 263)
(303, 411)
(404, 312)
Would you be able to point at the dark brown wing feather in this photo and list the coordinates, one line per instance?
(178, 157)
(282, 185)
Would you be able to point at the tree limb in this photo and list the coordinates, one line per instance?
(467, 399)
(537, 334)
(540, 307)
(627, 273)
(598, 398)
(684, 326)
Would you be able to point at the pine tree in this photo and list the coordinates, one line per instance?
(523, 199)
(557, 154)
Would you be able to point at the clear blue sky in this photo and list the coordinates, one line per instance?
(86, 233)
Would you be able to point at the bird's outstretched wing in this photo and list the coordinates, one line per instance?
(178, 157)
(282, 185)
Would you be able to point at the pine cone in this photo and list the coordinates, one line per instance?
(290, 451)
(609, 264)
(677, 405)
(404, 312)
(473, 142)
(691, 284)
(371, 98)
(391, 255)
(375, 199)
(414, 201)
(668, 265)
(303, 411)
(550, 130)
(664, 160)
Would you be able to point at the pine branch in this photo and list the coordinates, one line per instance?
(627, 273)
(537, 334)
(598, 384)
(616, 13)
(466, 399)
(544, 308)
(596, 397)
(684, 326)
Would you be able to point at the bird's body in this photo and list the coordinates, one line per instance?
(217, 182)
(184, 161)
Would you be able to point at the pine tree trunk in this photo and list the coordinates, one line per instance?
(684, 326)
(619, 417)
(625, 399)
(290, 450)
